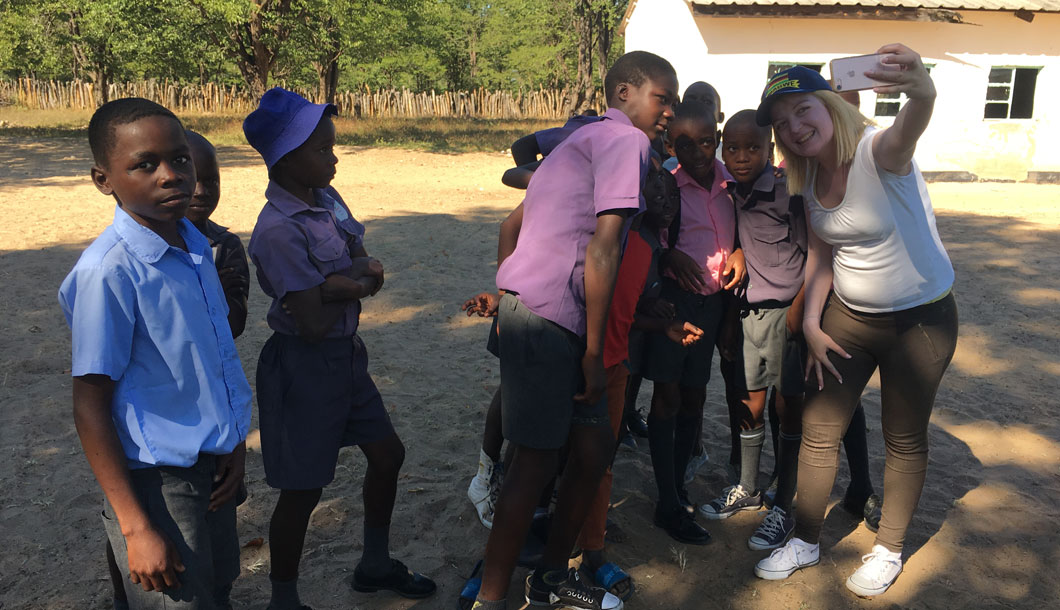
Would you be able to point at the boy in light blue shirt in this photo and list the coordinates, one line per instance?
(161, 404)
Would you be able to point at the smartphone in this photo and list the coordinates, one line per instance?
(848, 73)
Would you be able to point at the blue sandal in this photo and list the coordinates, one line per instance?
(470, 591)
(615, 580)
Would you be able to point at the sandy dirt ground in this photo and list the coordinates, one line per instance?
(985, 535)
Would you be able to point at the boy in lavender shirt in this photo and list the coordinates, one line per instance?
(558, 285)
(314, 391)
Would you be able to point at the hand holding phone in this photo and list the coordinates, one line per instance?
(848, 73)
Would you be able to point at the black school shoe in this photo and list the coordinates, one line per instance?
(636, 425)
(681, 526)
(870, 509)
(400, 580)
(571, 593)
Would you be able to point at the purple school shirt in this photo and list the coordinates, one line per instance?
(600, 167)
(549, 139)
(708, 225)
(772, 228)
(295, 247)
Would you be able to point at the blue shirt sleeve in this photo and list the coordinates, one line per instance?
(100, 306)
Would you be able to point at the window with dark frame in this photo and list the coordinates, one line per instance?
(777, 66)
(888, 104)
(1010, 93)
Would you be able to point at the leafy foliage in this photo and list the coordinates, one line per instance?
(324, 44)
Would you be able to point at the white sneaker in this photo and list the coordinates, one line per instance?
(785, 561)
(879, 569)
(479, 491)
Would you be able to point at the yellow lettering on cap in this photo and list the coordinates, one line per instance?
(787, 83)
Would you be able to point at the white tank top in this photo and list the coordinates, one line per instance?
(887, 255)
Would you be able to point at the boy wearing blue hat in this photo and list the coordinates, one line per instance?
(314, 392)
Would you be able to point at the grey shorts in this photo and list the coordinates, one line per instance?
(771, 356)
(314, 399)
(176, 501)
(541, 371)
(669, 362)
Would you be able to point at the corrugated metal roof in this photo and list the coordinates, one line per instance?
(971, 5)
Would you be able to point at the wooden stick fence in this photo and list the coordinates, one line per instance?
(215, 99)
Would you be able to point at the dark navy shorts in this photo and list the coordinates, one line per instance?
(689, 366)
(541, 371)
(314, 399)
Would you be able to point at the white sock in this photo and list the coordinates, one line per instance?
(485, 466)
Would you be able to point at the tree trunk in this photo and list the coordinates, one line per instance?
(584, 91)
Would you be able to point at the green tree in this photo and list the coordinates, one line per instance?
(252, 33)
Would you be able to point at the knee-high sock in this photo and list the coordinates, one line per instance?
(751, 442)
(661, 443)
(787, 470)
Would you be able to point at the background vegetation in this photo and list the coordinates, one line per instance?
(322, 45)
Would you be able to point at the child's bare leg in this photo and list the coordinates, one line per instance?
(116, 579)
(492, 437)
(287, 529)
(591, 448)
(733, 402)
(384, 458)
(528, 472)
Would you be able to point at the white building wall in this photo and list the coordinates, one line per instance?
(733, 54)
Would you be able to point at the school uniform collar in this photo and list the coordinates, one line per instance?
(213, 231)
(288, 204)
(764, 183)
(722, 177)
(615, 114)
(148, 246)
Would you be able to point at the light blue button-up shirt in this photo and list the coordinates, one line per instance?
(154, 319)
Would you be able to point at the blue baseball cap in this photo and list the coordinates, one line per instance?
(797, 79)
(282, 122)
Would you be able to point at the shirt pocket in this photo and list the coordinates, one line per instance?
(769, 240)
(329, 253)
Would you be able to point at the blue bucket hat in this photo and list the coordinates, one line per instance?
(797, 79)
(282, 122)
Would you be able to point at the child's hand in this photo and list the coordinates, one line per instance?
(484, 304)
(688, 272)
(153, 560)
(736, 265)
(779, 172)
(367, 266)
(595, 380)
(905, 73)
(684, 333)
(228, 476)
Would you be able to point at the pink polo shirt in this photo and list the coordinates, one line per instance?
(708, 224)
(600, 167)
